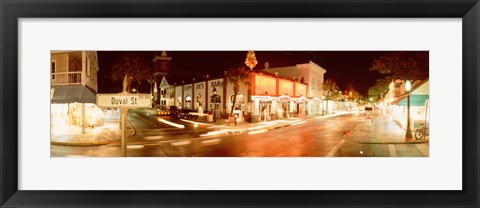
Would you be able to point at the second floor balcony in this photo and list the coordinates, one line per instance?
(67, 78)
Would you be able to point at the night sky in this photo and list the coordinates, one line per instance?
(343, 67)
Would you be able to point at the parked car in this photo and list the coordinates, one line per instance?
(174, 111)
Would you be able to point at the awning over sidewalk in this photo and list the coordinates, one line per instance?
(415, 100)
(71, 94)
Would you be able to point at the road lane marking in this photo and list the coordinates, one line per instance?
(392, 151)
(180, 143)
(335, 148)
(423, 148)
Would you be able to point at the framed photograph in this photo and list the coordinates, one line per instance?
(239, 104)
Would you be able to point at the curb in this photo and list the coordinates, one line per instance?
(97, 143)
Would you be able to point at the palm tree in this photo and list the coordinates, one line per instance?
(236, 75)
(131, 67)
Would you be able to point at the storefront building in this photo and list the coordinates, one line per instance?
(178, 96)
(419, 106)
(73, 90)
(199, 98)
(215, 93)
(266, 97)
(309, 74)
(276, 98)
(187, 97)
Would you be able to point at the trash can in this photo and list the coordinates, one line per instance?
(209, 117)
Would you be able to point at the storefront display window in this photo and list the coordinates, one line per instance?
(71, 114)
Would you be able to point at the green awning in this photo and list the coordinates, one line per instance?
(415, 100)
(72, 94)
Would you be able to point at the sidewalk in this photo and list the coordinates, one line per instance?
(383, 130)
(73, 136)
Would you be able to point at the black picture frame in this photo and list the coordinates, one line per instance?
(11, 11)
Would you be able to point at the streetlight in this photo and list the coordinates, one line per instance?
(408, 135)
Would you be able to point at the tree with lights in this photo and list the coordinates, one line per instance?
(251, 60)
(352, 93)
(331, 90)
(380, 88)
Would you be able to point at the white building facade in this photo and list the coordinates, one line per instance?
(73, 89)
(310, 74)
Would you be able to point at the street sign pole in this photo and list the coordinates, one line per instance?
(124, 114)
(124, 101)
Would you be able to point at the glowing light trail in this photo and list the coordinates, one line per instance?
(171, 123)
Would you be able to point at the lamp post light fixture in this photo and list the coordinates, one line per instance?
(408, 134)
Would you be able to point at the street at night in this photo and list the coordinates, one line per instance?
(311, 137)
(248, 104)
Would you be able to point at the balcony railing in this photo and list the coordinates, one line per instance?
(66, 78)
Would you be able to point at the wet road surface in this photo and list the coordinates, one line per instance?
(316, 137)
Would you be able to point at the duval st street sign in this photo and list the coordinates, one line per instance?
(124, 100)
